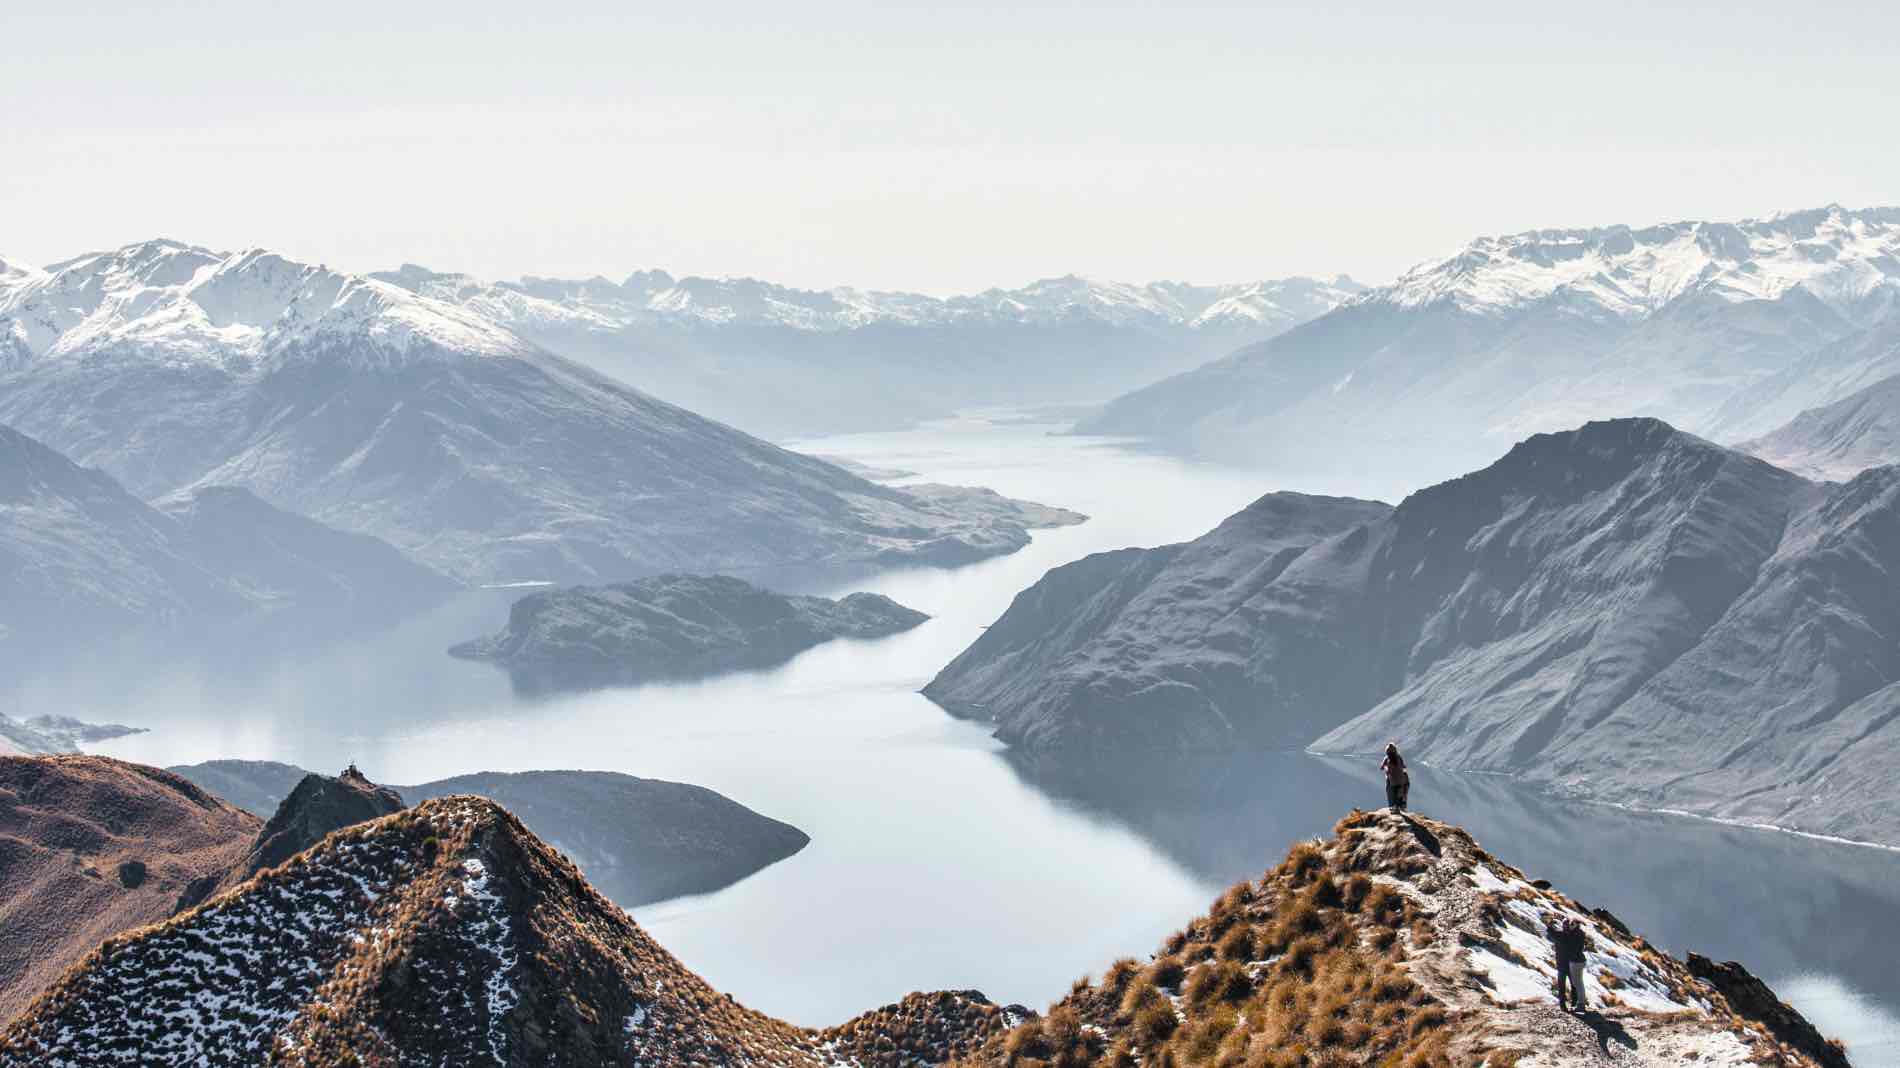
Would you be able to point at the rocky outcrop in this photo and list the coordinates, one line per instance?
(1754, 999)
(638, 840)
(1399, 940)
(671, 626)
(319, 805)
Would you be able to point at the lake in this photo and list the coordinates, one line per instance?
(936, 861)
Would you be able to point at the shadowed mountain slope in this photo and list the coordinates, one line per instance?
(1590, 602)
(80, 557)
(1839, 440)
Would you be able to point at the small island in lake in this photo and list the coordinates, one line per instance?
(671, 626)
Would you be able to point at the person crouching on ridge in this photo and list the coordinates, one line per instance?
(1398, 783)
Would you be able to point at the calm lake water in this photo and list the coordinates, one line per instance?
(935, 861)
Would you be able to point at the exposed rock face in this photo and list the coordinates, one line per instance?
(638, 840)
(1842, 439)
(319, 805)
(1757, 1001)
(80, 557)
(1623, 611)
(672, 626)
(1185, 646)
(1724, 329)
(448, 934)
(372, 409)
(90, 847)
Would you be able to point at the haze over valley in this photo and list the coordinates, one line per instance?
(806, 624)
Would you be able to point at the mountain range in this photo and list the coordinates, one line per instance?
(788, 362)
(374, 410)
(449, 934)
(81, 557)
(1727, 330)
(1623, 612)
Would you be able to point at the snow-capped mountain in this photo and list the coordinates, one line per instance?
(1726, 329)
(379, 410)
(778, 360)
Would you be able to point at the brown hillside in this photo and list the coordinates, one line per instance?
(449, 935)
(91, 846)
(1402, 944)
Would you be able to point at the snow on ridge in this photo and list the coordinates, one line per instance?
(1839, 255)
(657, 297)
(165, 300)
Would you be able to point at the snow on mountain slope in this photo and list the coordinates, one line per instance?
(784, 361)
(1726, 329)
(443, 934)
(381, 411)
(657, 295)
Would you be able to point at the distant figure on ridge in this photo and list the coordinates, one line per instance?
(1568, 941)
(1398, 783)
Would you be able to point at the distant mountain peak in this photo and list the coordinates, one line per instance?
(1836, 253)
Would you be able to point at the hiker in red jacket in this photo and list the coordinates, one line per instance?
(1398, 784)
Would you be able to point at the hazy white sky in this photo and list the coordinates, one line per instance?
(924, 146)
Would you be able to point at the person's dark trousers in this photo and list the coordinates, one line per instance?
(1563, 982)
(1394, 795)
(1405, 794)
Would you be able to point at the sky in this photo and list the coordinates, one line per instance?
(922, 146)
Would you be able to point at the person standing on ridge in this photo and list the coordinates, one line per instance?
(1568, 942)
(1398, 783)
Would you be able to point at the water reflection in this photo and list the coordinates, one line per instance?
(936, 859)
(1814, 918)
